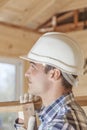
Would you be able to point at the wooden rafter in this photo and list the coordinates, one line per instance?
(65, 22)
(76, 12)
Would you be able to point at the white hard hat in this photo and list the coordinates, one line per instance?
(58, 50)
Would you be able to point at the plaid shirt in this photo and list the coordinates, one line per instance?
(63, 114)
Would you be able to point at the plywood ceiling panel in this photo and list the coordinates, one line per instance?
(3, 2)
(15, 42)
(33, 13)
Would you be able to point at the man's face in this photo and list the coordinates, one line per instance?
(38, 80)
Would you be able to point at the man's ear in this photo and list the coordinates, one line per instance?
(55, 74)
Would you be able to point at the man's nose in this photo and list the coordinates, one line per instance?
(27, 73)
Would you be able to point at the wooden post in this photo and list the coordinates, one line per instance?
(76, 18)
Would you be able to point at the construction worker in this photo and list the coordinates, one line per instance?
(56, 62)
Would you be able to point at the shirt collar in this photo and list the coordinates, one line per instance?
(48, 113)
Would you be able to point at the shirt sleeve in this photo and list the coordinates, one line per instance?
(59, 126)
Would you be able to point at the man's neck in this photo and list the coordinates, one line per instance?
(50, 96)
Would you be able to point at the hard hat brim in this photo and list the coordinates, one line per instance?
(36, 59)
(24, 57)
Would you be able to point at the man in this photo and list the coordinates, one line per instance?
(55, 63)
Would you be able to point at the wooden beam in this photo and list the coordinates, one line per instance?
(82, 100)
(16, 106)
(10, 107)
(65, 16)
(69, 27)
(76, 18)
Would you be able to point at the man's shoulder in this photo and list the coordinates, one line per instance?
(72, 115)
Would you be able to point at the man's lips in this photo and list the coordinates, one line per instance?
(30, 82)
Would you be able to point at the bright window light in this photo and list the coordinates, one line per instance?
(11, 87)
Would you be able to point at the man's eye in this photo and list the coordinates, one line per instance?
(33, 66)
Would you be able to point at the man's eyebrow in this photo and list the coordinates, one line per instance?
(32, 63)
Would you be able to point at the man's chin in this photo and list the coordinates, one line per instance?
(34, 92)
(31, 91)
